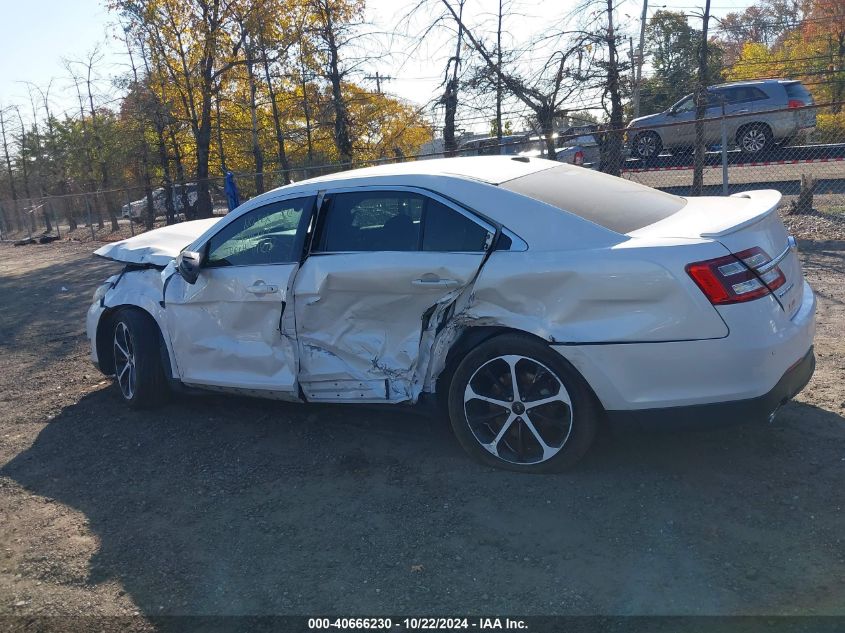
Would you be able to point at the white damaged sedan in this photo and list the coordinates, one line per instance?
(536, 300)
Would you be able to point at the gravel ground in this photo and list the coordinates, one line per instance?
(223, 505)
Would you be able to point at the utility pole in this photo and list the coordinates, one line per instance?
(378, 79)
(700, 107)
(639, 61)
(499, 80)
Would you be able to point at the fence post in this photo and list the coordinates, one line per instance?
(724, 152)
(129, 204)
(91, 224)
(55, 218)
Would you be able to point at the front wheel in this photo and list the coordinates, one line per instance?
(516, 404)
(646, 145)
(136, 349)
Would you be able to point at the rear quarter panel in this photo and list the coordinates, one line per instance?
(636, 291)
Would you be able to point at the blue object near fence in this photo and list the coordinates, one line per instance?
(232, 196)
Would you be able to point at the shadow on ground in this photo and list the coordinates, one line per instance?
(215, 505)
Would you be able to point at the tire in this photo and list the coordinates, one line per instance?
(503, 435)
(754, 139)
(647, 145)
(136, 350)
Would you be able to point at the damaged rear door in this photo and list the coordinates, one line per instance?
(384, 267)
(232, 328)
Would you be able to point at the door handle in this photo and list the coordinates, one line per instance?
(435, 282)
(260, 288)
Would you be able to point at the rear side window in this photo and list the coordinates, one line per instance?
(796, 90)
(743, 94)
(372, 221)
(614, 203)
(446, 230)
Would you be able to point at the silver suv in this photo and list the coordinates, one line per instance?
(758, 114)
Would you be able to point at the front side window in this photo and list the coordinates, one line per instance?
(395, 221)
(267, 235)
(687, 104)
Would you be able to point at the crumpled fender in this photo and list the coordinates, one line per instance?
(142, 288)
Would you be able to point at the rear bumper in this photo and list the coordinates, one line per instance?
(721, 413)
(763, 345)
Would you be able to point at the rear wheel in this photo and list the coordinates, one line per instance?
(754, 139)
(136, 348)
(516, 404)
(647, 145)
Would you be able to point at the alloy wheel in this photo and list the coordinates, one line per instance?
(753, 140)
(646, 145)
(518, 409)
(124, 360)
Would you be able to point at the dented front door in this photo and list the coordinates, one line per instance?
(232, 328)
(368, 291)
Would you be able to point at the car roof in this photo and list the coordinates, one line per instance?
(492, 170)
(754, 82)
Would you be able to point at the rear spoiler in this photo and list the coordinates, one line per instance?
(762, 203)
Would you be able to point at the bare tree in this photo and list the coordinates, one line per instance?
(141, 122)
(11, 174)
(281, 153)
(86, 141)
(449, 100)
(557, 80)
(332, 31)
(160, 123)
(37, 163)
(58, 166)
(105, 177)
(612, 147)
(195, 46)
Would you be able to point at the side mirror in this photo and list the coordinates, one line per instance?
(188, 265)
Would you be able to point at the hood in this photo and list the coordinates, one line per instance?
(156, 247)
(647, 120)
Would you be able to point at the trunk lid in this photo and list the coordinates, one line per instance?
(741, 222)
(156, 247)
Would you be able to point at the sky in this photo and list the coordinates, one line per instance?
(37, 35)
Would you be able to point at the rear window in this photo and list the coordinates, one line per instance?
(796, 90)
(614, 203)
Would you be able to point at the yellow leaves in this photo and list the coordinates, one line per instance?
(755, 62)
(831, 126)
(810, 52)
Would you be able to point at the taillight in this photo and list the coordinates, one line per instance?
(736, 278)
(579, 157)
(795, 103)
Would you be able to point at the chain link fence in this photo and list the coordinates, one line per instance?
(799, 151)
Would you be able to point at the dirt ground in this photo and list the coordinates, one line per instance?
(221, 505)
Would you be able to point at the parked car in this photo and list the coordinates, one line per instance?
(512, 145)
(136, 209)
(758, 115)
(578, 146)
(536, 300)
